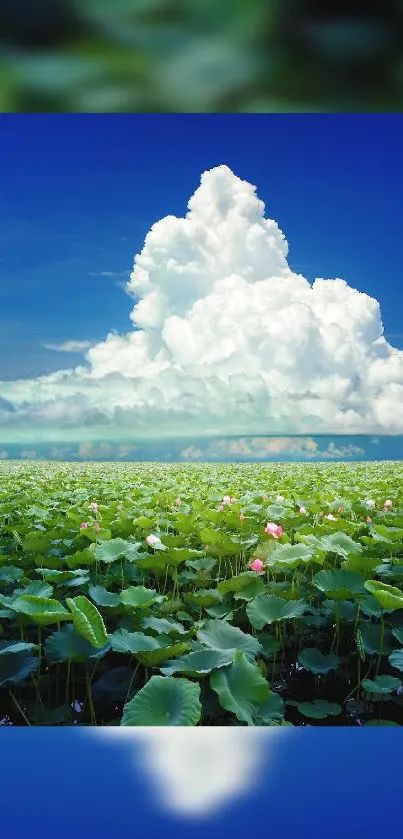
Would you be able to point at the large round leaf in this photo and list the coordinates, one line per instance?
(198, 663)
(338, 584)
(112, 550)
(268, 608)
(102, 597)
(68, 645)
(10, 574)
(389, 597)
(291, 556)
(312, 659)
(237, 582)
(271, 709)
(319, 709)
(241, 688)
(220, 635)
(164, 700)
(38, 588)
(123, 641)
(137, 597)
(381, 684)
(16, 661)
(149, 650)
(396, 659)
(398, 633)
(165, 625)
(203, 597)
(40, 610)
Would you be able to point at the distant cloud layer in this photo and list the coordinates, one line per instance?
(228, 340)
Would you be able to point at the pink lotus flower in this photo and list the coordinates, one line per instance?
(241, 517)
(97, 526)
(387, 504)
(152, 540)
(94, 506)
(368, 520)
(273, 529)
(340, 510)
(178, 501)
(302, 510)
(257, 565)
(227, 499)
(83, 525)
(220, 508)
(331, 517)
(265, 498)
(232, 500)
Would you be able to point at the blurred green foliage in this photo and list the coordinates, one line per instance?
(200, 55)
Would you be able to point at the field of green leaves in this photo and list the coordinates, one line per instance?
(201, 594)
(205, 56)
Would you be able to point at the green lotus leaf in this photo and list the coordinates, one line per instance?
(69, 645)
(123, 641)
(170, 627)
(398, 633)
(268, 608)
(199, 663)
(220, 635)
(40, 610)
(87, 620)
(10, 574)
(102, 597)
(396, 659)
(271, 709)
(389, 597)
(112, 550)
(236, 583)
(291, 556)
(137, 597)
(164, 700)
(241, 688)
(203, 597)
(16, 662)
(381, 684)
(319, 709)
(312, 659)
(338, 584)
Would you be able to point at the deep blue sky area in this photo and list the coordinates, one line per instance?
(79, 193)
(329, 782)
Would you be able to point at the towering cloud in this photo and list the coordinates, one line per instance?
(195, 772)
(227, 339)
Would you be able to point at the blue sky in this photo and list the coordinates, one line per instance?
(340, 781)
(79, 194)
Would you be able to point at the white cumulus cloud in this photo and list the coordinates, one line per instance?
(227, 337)
(195, 772)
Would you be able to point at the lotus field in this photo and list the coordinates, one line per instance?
(201, 594)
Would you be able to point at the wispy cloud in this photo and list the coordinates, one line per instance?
(108, 273)
(69, 346)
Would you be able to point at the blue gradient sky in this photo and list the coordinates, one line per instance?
(80, 192)
(323, 781)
